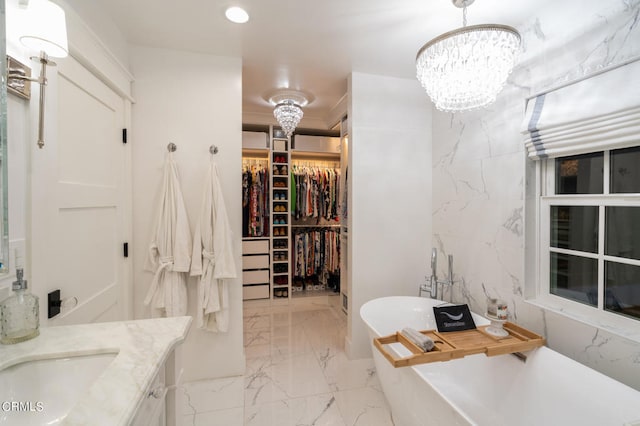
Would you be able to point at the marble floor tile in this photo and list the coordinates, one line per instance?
(257, 337)
(257, 321)
(364, 407)
(297, 374)
(342, 373)
(276, 378)
(257, 351)
(321, 340)
(318, 410)
(209, 395)
(228, 417)
(287, 340)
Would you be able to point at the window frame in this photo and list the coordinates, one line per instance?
(546, 197)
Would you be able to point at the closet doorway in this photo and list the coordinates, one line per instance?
(292, 204)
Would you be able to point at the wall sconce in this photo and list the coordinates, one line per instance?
(43, 29)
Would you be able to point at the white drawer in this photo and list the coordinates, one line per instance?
(255, 262)
(255, 277)
(255, 292)
(255, 247)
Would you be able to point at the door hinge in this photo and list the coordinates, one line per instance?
(124, 135)
(125, 249)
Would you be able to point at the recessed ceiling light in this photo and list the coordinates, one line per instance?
(237, 15)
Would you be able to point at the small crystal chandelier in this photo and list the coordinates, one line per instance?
(288, 114)
(288, 109)
(466, 68)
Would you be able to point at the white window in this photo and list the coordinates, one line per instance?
(584, 137)
(589, 235)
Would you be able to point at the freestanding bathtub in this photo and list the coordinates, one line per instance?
(547, 389)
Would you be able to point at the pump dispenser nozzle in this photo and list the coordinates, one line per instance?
(20, 283)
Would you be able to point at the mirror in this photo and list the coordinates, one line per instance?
(4, 213)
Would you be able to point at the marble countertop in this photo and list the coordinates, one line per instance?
(142, 346)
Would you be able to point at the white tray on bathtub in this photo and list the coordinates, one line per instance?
(458, 344)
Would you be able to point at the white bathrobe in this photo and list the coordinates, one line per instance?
(212, 257)
(169, 256)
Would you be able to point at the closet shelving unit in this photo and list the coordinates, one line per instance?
(255, 249)
(280, 226)
(268, 259)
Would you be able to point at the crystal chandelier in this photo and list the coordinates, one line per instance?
(288, 114)
(466, 68)
(288, 108)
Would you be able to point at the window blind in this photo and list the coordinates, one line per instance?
(598, 113)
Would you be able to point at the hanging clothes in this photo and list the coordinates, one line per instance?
(316, 192)
(316, 251)
(255, 199)
(169, 255)
(212, 257)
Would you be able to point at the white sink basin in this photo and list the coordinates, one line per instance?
(43, 392)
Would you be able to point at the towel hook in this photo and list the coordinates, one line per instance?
(213, 149)
(172, 147)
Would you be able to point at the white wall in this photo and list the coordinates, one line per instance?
(480, 184)
(390, 193)
(192, 100)
(98, 22)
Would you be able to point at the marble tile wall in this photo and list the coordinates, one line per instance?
(479, 178)
(297, 374)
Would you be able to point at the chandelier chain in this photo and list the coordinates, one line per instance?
(464, 15)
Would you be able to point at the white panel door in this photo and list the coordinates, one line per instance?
(80, 206)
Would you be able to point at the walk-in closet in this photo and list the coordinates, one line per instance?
(293, 201)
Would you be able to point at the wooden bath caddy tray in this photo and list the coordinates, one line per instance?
(458, 344)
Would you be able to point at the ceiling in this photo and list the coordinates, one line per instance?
(308, 45)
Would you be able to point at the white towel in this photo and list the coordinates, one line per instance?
(423, 342)
(169, 254)
(212, 257)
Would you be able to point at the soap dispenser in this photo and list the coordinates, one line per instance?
(19, 313)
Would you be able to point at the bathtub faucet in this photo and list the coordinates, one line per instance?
(432, 283)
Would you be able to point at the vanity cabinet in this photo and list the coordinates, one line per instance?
(152, 410)
(139, 364)
(158, 408)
